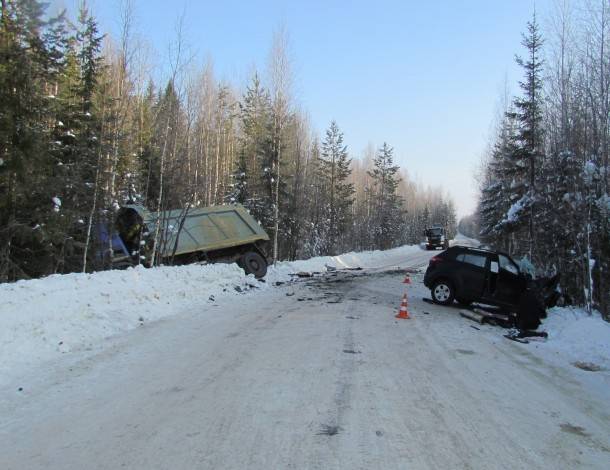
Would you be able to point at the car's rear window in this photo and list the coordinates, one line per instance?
(472, 258)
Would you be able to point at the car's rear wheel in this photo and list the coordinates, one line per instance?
(443, 292)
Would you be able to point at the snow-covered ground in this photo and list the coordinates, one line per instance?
(45, 318)
(313, 374)
(576, 336)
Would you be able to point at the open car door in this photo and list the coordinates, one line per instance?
(506, 282)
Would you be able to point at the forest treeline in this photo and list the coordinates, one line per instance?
(84, 129)
(544, 184)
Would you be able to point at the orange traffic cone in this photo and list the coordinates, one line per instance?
(407, 280)
(403, 312)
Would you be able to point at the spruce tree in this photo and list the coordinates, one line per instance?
(90, 201)
(256, 148)
(238, 191)
(334, 169)
(529, 150)
(388, 215)
(497, 192)
(28, 65)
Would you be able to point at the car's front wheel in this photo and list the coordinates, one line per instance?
(443, 292)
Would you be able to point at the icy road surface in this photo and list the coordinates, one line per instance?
(311, 375)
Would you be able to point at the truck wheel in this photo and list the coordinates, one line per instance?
(253, 263)
(443, 292)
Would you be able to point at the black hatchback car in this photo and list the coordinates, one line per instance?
(475, 275)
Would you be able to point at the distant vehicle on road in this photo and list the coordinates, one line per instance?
(436, 237)
(469, 275)
(214, 234)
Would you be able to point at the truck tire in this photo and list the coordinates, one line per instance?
(443, 292)
(253, 263)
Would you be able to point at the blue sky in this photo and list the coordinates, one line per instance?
(424, 76)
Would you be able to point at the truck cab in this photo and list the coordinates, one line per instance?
(436, 236)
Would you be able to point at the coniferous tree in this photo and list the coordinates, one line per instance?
(496, 220)
(145, 110)
(238, 192)
(529, 149)
(88, 138)
(257, 152)
(26, 247)
(388, 204)
(334, 170)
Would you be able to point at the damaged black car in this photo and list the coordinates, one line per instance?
(468, 275)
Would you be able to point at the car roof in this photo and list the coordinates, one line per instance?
(480, 250)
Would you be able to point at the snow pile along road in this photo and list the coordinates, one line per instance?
(44, 318)
(576, 336)
(365, 259)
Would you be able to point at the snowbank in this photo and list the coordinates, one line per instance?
(577, 336)
(363, 259)
(43, 318)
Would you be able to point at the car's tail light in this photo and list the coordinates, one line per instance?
(435, 260)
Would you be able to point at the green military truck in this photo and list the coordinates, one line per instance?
(208, 234)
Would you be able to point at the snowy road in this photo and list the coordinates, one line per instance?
(316, 374)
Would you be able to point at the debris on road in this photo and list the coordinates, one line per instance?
(514, 338)
(472, 316)
(588, 366)
(304, 274)
(329, 430)
(520, 335)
